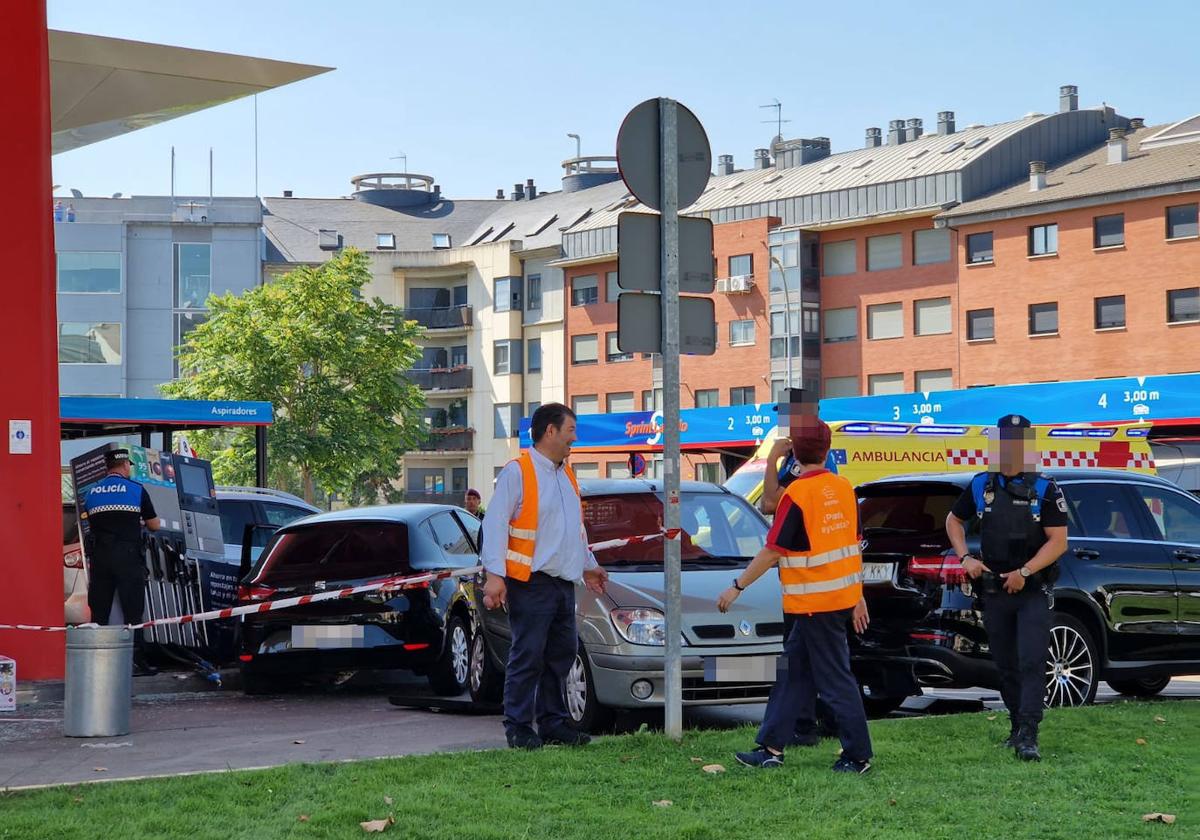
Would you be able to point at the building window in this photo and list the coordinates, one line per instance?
(1183, 305)
(934, 380)
(652, 400)
(193, 275)
(185, 322)
(741, 332)
(535, 355)
(841, 325)
(741, 265)
(533, 406)
(1108, 231)
(619, 403)
(534, 290)
(841, 386)
(613, 352)
(89, 272)
(708, 472)
(502, 358)
(1110, 312)
(811, 321)
(1043, 239)
(612, 288)
(884, 252)
(507, 420)
(584, 290)
(981, 324)
(385, 241)
(586, 469)
(885, 383)
(708, 398)
(89, 344)
(885, 320)
(504, 295)
(742, 396)
(932, 316)
(585, 404)
(583, 349)
(841, 258)
(616, 469)
(979, 247)
(441, 241)
(1183, 220)
(1043, 318)
(784, 250)
(931, 246)
(785, 323)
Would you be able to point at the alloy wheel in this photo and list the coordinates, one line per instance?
(459, 653)
(576, 688)
(476, 661)
(1070, 670)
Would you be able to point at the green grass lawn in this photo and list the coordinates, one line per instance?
(933, 777)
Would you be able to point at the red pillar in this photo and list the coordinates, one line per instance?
(31, 572)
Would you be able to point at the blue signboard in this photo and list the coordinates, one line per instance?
(217, 413)
(1138, 398)
(727, 425)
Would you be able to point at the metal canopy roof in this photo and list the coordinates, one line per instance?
(103, 416)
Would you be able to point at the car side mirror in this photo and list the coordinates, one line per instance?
(251, 539)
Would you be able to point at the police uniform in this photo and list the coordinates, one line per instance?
(1013, 513)
(115, 508)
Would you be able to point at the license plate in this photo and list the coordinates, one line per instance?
(739, 669)
(878, 572)
(320, 636)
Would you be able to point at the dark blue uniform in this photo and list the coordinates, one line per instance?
(115, 508)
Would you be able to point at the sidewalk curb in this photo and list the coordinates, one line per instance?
(34, 693)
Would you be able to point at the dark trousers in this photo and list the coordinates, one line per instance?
(824, 715)
(1018, 631)
(117, 569)
(541, 615)
(816, 660)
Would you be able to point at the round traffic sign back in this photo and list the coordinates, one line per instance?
(639, 159)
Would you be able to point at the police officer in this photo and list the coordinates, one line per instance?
(116, 507)
(1023, 531)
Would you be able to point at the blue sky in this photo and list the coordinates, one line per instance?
(482, 94)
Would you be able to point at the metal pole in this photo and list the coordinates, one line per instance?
(787, 319)
(260, 455)
(669, 221)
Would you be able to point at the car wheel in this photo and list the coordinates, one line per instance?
(1144, 687)
(486, 681)
(587, 714)
(449, 674)
(1071, 663)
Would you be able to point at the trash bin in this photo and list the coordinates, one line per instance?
(99, 682)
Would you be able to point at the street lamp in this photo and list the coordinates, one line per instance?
(787, 317)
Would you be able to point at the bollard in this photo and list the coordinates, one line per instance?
(99, 682)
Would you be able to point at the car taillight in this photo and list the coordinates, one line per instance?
(943, 568)
(255, 592)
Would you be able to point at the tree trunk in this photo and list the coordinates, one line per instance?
(306, 476)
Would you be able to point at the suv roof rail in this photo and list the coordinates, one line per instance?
(260, 491)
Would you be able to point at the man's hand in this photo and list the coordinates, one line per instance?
(596, 580)
(1013, 582)
(779, 449)
(974, 567)
(861, 617)
(495, 592)
(727, 598)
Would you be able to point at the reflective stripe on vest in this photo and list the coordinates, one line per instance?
(522, 528)
(828, 576)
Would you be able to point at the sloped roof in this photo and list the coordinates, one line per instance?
(540, 223)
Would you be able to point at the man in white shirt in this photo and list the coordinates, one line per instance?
(534, 555)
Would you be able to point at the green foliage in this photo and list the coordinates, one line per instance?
(332, 365)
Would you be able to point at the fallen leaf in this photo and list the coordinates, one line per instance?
(663, 803)
(298, 741)
(1169, 819)
(302, 818)
(991, 717)
(891, 801)
(1159, 719)
(77, 799)
(627, 758)
(387, 800)
(713, 768)
(100, 769)
(1141, 742)
(697, 760)
(377, 826)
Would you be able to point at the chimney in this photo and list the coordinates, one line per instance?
(530, 189)
(500, 194)
(437, 194)
(1136, 122)
(895, 132)
(1118, 146)
(287, 193)
(725, 164)
(518, 192)
(762, 159)
(874, 138)
(945, 122)
(1068, 98)
(1037, 175)
(913, 129)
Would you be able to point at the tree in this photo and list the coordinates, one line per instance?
(332, 365)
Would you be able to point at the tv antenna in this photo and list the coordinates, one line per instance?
(402, 157)
(779, 120)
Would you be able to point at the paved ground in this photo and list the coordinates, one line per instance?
(219, 730)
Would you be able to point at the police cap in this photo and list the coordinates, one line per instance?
(1013, 425)
(113, 457)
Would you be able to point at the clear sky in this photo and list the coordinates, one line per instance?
(482, 94)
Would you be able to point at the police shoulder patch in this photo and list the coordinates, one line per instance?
(1062, 503)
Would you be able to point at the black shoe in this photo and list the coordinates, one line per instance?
(849, 765)
(762, 758)
(565, 736)
(524, 740)
(1027, 743)
(807, 738)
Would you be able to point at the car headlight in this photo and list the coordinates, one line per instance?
(641, 626)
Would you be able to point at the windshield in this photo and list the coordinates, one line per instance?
(745, 480)
(718, 528)
(899, 511)
(334, 551)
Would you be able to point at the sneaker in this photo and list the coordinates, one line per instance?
(761, 757)
(565, 736)
(849, 765)
(524, 740)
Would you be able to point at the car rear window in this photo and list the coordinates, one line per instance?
(715, 526)
(918, 510)
(335, 551)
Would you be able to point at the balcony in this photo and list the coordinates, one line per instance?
(435, 498)
(457, 378)
(448, 439)
(443, 317)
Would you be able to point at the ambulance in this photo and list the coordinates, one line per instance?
(865, 451)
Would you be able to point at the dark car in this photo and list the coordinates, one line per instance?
(1126, 606)
(425, 629)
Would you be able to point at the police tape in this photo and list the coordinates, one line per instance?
(392, 583)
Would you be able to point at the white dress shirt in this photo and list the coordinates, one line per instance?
(560, 548)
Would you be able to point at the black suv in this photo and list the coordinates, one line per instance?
(1126, 607)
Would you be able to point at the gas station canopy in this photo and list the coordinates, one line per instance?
(106, 416)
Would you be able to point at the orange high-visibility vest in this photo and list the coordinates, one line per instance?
(828, 576)
(522, 528)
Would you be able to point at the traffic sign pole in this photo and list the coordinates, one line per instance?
(669, 221)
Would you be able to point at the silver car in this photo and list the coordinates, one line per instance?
(727, 658)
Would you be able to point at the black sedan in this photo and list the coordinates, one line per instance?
(424, 629)
(1126, 606)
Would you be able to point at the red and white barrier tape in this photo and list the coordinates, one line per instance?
(672, 534)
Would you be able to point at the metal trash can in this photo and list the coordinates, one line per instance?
(99, 683)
